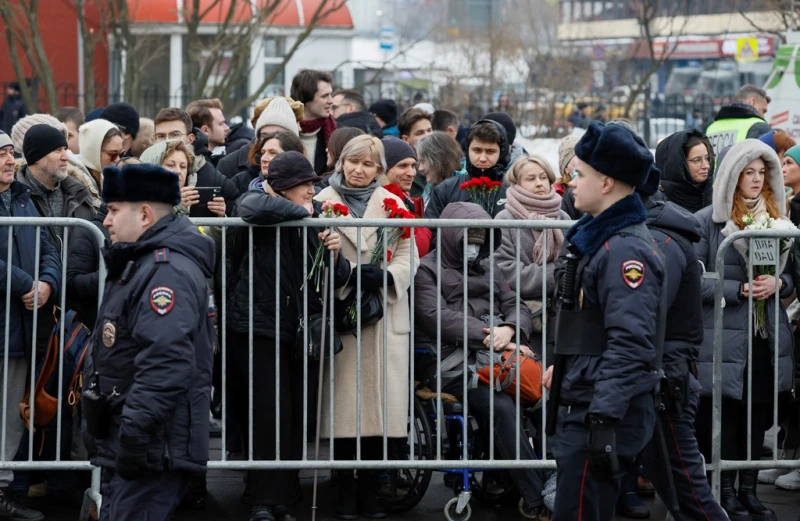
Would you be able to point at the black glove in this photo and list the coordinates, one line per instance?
(132, 459)
(372, 278)
(602, 446)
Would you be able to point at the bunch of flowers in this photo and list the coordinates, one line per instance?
(765, 222)
(482, 191)
(395, 211)
(330, 210)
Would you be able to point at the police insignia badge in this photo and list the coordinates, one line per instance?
(162, 299)
(109, 333)
(633, 273)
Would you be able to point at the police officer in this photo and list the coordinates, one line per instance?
(675, 231)
(148, 375)
(606, 361)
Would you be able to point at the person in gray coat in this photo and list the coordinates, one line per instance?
(748, 182)
(531, 197)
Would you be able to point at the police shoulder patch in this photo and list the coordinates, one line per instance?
(162, 299)
(633, 273)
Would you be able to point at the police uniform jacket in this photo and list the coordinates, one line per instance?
(153, 346)
(621, 281)
(675, 231)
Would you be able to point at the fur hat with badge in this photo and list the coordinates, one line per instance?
(616, 152)
(140, 183)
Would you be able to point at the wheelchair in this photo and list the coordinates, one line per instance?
(405, 488)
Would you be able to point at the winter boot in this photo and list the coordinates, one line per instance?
(261, 513)
(12, 509)
(368, 503)
(630, 505)
(728, 501)
(748, 498)
(347, 500)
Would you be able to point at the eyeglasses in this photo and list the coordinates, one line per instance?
(172, 135)
(113, 154)
(697, 161)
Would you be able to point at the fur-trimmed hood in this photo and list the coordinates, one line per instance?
(727, 176)
(78, 172)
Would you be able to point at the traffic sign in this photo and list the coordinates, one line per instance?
(746, 49)
(386, 38)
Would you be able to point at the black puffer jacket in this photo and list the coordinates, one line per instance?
(243, 179)
(362, 120)
(83, 279)
(234, 162)
(259, 208)
(450, 191)
(676, 181)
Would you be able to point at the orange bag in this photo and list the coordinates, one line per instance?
(505, 376)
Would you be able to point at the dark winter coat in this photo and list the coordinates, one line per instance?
(735, 318)
(479, 289)
(612, 245)
(243, 179)
(259, 208)
(235, 162)
(676, 231)
(362, 120)
(239, 135)
(83, 279)
(449, 191)
(23, 269)
(154, 346)
(676, 181)
(12, 110)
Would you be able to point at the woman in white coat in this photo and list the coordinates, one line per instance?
(355, 183)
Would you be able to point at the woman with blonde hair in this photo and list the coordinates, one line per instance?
(356, 184)
(531, 197)
(748, 184)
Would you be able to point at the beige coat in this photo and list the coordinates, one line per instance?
(398, 351)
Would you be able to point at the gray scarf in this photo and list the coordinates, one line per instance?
(356, 199)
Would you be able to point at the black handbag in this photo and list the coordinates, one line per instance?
(371, 312)
(313, 343)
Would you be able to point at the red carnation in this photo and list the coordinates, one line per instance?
(396, 190)
(341, 209)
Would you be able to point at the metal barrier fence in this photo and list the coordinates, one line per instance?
(429, 421)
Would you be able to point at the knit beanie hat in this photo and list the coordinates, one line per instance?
(385, 109)
(508, 124)
(95, 114)
(280, 114)
(427, 108)
(21, 127)
(769, 139)
(90, 138)
(566, 151)
(5, 140)
(396, 150)
(794, 153)
(40, 140)
(615, 151)
(124, 116)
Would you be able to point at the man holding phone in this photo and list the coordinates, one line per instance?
(175, 124)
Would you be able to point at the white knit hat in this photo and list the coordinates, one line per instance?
(90, 138)
(21, 127)
(280, 114)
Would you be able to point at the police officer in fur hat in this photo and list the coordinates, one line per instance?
(148, 374)
(606, 364)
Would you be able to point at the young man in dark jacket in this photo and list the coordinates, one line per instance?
(150, 367)
(488, 155)
(15, 202)
(675, 231)
(483, 318)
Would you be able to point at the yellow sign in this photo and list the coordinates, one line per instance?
(746, 49)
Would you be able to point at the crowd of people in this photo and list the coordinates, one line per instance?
(320, 149)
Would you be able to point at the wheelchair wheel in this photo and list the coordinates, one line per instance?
(405, 488)
(490, 487)
(450, 511)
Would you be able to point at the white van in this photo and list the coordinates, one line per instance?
(783, 86)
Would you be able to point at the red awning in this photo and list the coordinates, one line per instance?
(289, 13)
